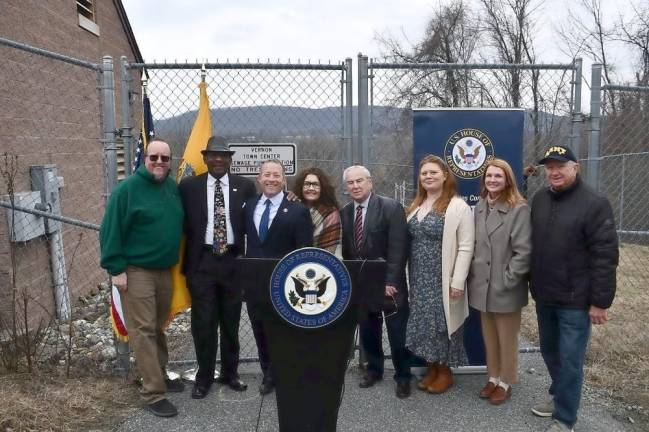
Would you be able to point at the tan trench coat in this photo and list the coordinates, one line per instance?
(498, 280)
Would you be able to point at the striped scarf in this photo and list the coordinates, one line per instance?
(327, 233)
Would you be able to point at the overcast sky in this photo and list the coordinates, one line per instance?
(296, 29)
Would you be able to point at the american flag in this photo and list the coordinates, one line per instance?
(146, 131)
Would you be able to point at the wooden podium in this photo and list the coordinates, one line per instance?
(309, 364)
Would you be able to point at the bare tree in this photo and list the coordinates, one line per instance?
(451, 37)
(634, 32)
(585, 32)
(509, 27)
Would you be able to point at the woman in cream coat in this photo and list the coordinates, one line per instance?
(498, 277)
(441, 231)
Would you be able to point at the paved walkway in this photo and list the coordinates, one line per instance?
(377, 409)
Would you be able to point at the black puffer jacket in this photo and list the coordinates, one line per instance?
(574, 248)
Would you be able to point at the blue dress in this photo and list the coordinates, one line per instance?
(427, 334)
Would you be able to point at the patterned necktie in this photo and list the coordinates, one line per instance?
(358, 228)
(220, 241)
(265, 219)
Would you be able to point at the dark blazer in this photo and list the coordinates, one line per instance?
(193, 193)
(290, 229)
(385, 235)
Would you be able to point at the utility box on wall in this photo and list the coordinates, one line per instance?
(26, 226)
(45, 180)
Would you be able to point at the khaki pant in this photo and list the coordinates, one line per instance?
(146, 304)
(500, 333)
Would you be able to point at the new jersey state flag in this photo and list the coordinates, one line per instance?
(190, 165)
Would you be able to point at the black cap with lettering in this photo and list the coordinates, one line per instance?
(558, 153)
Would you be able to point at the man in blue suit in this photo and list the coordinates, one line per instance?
(274, 226)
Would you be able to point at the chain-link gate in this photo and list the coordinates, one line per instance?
(550, 95)
(304, 104)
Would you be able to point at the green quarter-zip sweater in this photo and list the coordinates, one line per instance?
(142, 225)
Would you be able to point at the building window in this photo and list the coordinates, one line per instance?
(87, 16)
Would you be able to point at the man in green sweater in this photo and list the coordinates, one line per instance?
(140, 239)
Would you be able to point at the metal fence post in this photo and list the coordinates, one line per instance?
(349, 112)
(620, 226)
(595, 117)
(108, 116)
(107, 102)
(577, 116)
(125, 103)
(363, 142)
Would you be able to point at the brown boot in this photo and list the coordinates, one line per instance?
(443, 381)
(430, 376)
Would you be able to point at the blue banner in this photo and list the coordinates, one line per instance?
(467, 138)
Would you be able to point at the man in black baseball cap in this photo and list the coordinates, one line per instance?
(573, 268)
(558, 153)
(561, 167)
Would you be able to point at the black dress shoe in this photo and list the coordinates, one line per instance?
(174, 386)
(200, 391)
(403, 389)
(368, 380)
(267, 386)
(162, 408)
(234, 383)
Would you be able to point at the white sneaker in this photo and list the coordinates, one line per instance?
(544, 408)
(557, 426)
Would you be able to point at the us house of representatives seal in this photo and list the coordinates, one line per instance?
(467, 152)
(310, 288)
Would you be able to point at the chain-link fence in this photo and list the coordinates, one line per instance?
(616, 165)
(258, 103)
(303, 104)
(50, 132)
(546, 92)
(52, 189)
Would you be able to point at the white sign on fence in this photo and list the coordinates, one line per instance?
(248, 157)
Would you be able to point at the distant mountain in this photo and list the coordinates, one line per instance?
(268, 121)
(261, 121)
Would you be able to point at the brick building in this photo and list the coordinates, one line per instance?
(50, 114)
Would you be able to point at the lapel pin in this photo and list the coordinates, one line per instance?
(234, 190)
(285, 210)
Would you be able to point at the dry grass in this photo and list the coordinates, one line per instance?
(48, 402)
(618, 358)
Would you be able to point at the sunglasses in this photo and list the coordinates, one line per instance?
(163, 158)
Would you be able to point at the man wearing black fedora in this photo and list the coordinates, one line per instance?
(213, 216)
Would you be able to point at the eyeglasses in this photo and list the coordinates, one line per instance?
(163, 158)
(313, 185)
(390, 306)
